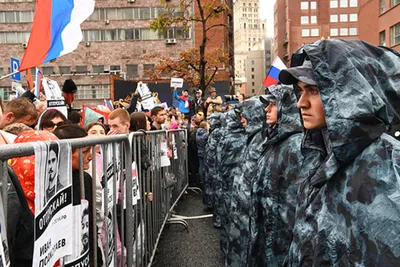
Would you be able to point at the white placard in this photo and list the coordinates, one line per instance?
(51, 89)
(58, 104)
(165, 162)
(176, 82)
(148, 103)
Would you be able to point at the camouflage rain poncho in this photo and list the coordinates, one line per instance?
(210, 158)
(229, 158)
(275, 189)
(239, 217)
(349, 206)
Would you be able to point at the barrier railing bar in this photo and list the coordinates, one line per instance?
(94, 200)
(128, 160)
(114, 209)
(105, 197)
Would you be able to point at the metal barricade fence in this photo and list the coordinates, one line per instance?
(139, 190)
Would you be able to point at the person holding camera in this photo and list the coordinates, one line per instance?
(213, 103)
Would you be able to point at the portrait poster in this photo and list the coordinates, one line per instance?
(53, 203)
(111, 176)
(165, 162)
(80, 232)
(51, 89)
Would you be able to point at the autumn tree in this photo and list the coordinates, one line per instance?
(197, 65)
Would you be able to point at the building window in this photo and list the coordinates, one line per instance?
(334, 18)
(115, 68)
(93, 91)
(304, 5)
(1, 72)
(132, 70)
(313, 19)
(148, 66)
(253, 91)
(252, 62)
(252, 69)
(344, 31)
(48, 71)
(353, 31)
(334, 4)
(344, 18)
(313, 5)
(14, 37)
(98, 68)
(334, 32)
(382, 38)
(8, 92)
(253, 83)
(395, 34)
(305, 32)
(16, 16)
(64, 69)
(304, 19)
(383, 6)
(354, 17)
(314, 32)
(344, 3)
(252, 76)
(353, 3)
(395, 2)
(81, 69)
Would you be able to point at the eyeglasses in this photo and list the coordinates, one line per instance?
(50, 124)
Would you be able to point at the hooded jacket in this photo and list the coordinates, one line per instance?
(201, 140)
(349, 207)
(275, 191)
(229, 157)
(210, 158)
(240, 209)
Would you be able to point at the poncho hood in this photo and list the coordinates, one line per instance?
(288, 114)
(232, 122)
(357, 83)
(254, 112)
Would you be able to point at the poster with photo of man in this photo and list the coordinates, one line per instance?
(51, 89)
(53, 203)
(113, 178)
(81, 227)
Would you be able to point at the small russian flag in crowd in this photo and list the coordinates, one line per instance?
(38, 82)
(273, 73)
(56, 30)
(109, 105)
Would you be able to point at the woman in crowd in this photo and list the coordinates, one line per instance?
(51, 119)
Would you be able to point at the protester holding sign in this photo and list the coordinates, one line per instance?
(184, 101)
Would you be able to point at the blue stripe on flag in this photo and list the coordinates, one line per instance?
(61, 11)
(274, 73)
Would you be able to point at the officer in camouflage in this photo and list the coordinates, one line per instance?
(210, 167)
(275, 189)
(239, 216)
(229, 152)
(348, 213)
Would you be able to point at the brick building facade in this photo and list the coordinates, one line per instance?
(115, 40)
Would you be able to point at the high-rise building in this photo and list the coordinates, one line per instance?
(116, 39)
(299, 22)
(250, 33)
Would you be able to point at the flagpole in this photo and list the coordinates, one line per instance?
(8, 75)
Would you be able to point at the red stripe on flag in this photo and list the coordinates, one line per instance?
(268, 81)
(40, 37)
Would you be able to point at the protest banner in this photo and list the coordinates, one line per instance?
(80, 232)
(176, 82)
(51, 89)
(165, 162)
(58, 104)
(54, 218)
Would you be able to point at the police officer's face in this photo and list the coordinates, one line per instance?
(310, 105)
(52, 165)
(271, 113)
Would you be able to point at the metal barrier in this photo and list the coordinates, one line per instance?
(143, 177)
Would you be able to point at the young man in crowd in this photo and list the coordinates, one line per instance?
(199, 101)
(119, 121)
(19, 110)
(348, 210)
(158, 115)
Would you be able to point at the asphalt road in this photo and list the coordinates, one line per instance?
(197, 247)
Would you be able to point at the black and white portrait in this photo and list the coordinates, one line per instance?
(85, 230)
(54, 183)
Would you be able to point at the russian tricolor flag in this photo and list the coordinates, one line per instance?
(56, 30)
(273, 73)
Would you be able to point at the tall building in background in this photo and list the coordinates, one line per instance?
(299, 22)
(250, 34)
(115, 40)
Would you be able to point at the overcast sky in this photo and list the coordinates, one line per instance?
(267, 12)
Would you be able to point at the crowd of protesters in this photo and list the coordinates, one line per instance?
(302, 176)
